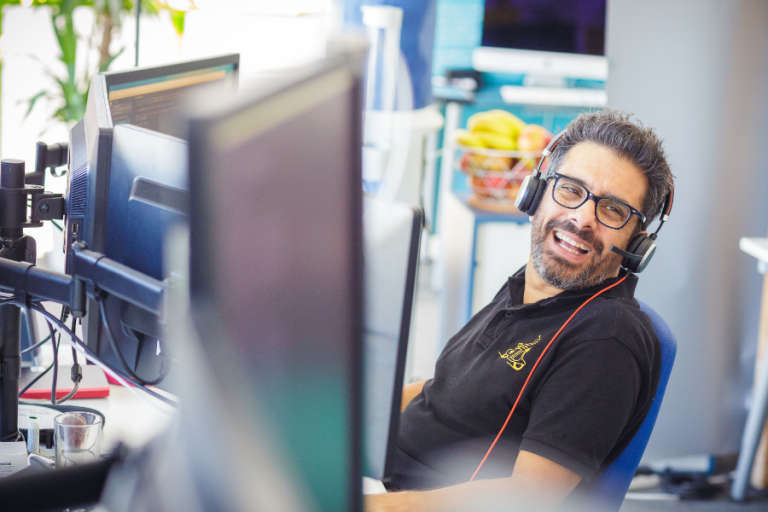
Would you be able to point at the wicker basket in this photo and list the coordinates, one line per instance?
(494, 175)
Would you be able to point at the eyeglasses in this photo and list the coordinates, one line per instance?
(609, 212)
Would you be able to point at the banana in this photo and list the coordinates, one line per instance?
(515, 122)
(496, 141)
(496, 121)
(466, 138)
(491, 124)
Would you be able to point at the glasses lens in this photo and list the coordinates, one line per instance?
(569, 193)
(612, 213)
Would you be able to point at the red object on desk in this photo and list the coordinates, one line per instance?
(113, 380)
(93, 385)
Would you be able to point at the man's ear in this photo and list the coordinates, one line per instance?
(530, 218)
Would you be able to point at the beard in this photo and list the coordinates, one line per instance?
(563, 274)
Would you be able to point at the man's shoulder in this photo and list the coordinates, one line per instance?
(619, 319)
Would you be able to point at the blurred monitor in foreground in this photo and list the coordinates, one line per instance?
(276, 267)
(391, 234)
(127, 186)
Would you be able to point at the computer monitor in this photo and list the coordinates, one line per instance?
(127, 186)
(276, 266)
(544, 39)
(391, 235)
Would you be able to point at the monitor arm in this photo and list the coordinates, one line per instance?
(93, 275)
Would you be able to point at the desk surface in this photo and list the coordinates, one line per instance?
(757, 247)
(129, 419)
(487, 215)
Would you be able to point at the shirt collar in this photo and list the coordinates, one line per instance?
(516, 288)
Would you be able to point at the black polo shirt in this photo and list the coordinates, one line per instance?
(583, 404)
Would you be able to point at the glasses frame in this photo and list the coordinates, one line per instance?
(596, 199)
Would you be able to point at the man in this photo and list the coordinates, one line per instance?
(607, 179)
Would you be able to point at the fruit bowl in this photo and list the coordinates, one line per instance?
(495, 175)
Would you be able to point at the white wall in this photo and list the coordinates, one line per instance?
(269, 35)
(697, 71)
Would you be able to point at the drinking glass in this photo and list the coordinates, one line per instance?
(77, 436)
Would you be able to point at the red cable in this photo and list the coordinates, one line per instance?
(534, 369)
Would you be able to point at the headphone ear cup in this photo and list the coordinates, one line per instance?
(641, 245)
(537, 196)
(524, 196)
(529, 195)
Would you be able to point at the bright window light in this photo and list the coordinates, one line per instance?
(267, 7)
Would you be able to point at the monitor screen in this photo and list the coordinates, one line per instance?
(565, 26)
(276, 257)
(127, 187)
(157, 103)
(391, 235)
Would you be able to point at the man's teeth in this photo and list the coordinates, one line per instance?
(565, 238)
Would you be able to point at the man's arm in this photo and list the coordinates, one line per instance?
(409, 393)
(536, 483)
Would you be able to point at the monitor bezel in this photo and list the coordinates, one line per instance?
(97, 136)
(112, 78)
(202, 288)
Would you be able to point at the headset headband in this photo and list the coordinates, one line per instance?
(665, 211)
(548, 151)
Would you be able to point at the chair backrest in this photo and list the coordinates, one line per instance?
(610, 487)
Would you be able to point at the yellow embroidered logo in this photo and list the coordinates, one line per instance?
(514, 356)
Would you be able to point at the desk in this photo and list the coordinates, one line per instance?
(129, 419)
(757, 247)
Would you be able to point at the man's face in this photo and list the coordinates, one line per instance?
(570, 249)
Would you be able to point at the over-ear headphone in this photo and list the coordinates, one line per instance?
(532, 190)
(640, 249)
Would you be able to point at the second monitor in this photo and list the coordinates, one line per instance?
(127, 186)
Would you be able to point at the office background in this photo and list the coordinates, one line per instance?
(695, 70)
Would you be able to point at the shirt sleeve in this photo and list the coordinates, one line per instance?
(582, 405)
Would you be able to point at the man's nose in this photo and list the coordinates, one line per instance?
(584, 215)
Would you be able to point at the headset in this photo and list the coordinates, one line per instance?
(641, 247)
(634, 260)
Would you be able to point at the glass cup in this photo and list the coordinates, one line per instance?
(77, 436)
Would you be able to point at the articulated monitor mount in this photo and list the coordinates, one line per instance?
(92, 275)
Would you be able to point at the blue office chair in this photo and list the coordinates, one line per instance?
(609, 489)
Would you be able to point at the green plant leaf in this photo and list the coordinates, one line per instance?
(111, 59)
(70, 88)
(33, 100)
(177, 17)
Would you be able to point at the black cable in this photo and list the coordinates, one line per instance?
(116, 349)
(69, 395)
(74, 327)
(34, 381)
(35, 346)
(77, 371)
(41, 309)
(55, 363)
(57, 226)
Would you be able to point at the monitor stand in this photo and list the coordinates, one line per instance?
(15, 246)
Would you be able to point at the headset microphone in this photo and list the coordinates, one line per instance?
(625, 253)
(640, 251)
(641, 248)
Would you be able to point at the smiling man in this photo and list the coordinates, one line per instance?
(607, 179)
